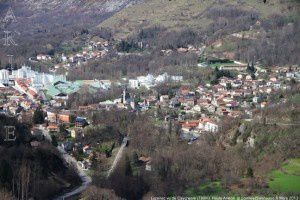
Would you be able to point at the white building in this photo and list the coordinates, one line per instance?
(4, 76)
(165, 77)
(23, 73)
(162, 78)
(177, 78)
(133, 83)
(211, 127)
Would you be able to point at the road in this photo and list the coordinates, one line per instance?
(118, 157)
(86, 180)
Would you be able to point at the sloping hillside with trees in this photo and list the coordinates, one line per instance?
(218, 164)
(30, 168)
(275, 25)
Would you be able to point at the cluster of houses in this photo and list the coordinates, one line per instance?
(231, 97)
(200, 110)
(92, 50)
(16, 104)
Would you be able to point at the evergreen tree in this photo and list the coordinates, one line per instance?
(38, 116)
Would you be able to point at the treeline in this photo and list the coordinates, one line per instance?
(114, 66)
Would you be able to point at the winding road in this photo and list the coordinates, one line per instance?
(86, 180)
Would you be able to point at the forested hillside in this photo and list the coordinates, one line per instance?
(274, 26)
(30, 168)
(249, 31)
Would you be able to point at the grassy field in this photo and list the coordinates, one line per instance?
(286, 179)
(211, 188)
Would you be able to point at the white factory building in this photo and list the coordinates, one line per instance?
(150, 81)
(4, 76)
(38, 80)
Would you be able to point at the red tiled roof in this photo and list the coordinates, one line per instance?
(190, 124)
(52, 126)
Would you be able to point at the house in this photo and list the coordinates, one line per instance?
(147, 161)
(64, 58)
(211, 127)
(133, 83)
(182, 50)
(197, 108)
(51, 116)
(263, 104)
(256, 99)
(188, 101)
(40, 57)
(202, 123)
(80, 122)
(53, 128)
(164, 98)
(183, 90)
(64, 117)
(211, 108)
(222, 111)
(189, 125)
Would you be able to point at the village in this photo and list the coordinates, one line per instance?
(237, 90)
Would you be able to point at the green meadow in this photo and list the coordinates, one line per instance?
(287, 178)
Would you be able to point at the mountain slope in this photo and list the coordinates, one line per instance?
(181, 14)
(247, 30)
(43, 22)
